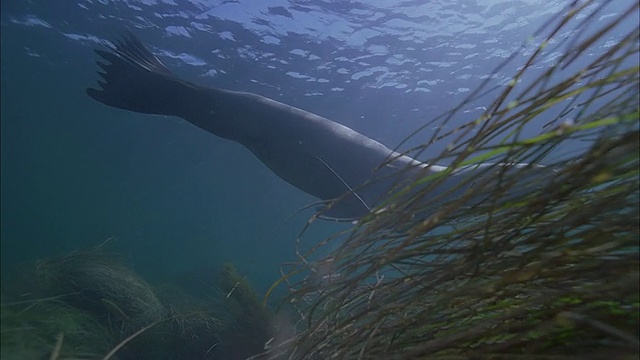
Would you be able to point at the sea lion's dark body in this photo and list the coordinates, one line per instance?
(316, 155)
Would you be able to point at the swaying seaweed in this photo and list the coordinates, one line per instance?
(90, 305)
(244, 324)
(543, 273)
(32, 328)
(96, 281)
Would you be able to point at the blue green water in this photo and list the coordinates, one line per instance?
(172, 197)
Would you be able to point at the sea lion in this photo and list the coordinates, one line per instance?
(318, 156)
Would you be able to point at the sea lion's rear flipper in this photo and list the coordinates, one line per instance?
(134, 79)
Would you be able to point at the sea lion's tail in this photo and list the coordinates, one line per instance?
(134, 79)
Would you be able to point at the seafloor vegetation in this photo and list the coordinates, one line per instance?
(89, 305)
(546, 266)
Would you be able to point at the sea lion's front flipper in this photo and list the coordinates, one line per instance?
(348, 207)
